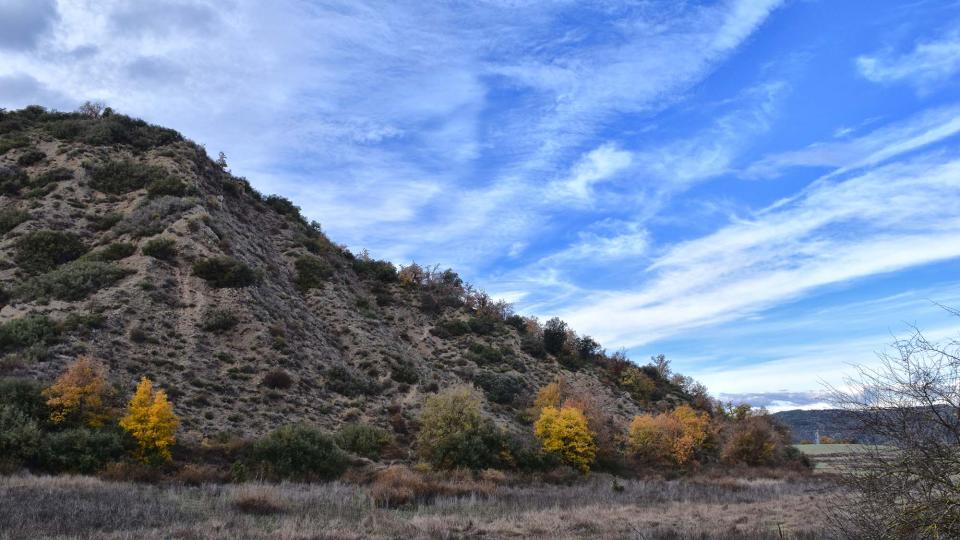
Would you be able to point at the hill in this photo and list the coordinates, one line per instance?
(124, 241)
(834, 423)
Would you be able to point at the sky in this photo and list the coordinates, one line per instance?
(765, 191)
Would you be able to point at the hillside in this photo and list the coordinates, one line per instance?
(834, 423)
(126, 242)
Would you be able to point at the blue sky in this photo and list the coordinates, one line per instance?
(766, 191)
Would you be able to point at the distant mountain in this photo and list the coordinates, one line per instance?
(833, 423)
(125, 241)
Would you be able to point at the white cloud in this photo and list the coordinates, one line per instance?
(929, 63)
(595, 166)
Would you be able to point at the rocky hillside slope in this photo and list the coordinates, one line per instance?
(124, 241)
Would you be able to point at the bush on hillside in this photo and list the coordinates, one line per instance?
(153, 216)
(347, 382)
(311, 273)
(108, 130)
(26, 332)
(71, 282)
(669, 438)
(12, 180)
(277, 379)
(565, 433)
(298, 452)
(83, 450)
(363, 440)
(218, 320)
(638, 384)
(454, 432)
(9, 142)
(225, 273)
(451, 328)
(499, 388)
(167, 185)
(369, 268)
(42, 251)
(10, 218)
(161, 248)
(121, 177)
(282, 205)
(30, 157)
(104, 222)
(52, 176)
(554, 335)
(756, 440)
(25, 396)
(19, 438)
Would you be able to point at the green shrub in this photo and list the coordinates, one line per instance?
(104, 222)
(499, 388)
(363, 440)
(451, 328)
(109, 130)
(277, 379)
(19, 438)
(347, 383)
(298, 452)
(167, 185)
(383, 271)
(58, 174)
(282, 205)
(10, 218)
(8, 143)
(71, 282)
(455, 434)
(482, 325)
(120, 177)
(12, 180)
(218, 321)
(42, 251)
(113, 252)
(161, 248)
(225, 272)
(26, 332)
(30, 157)
(404, 373)
(311, 273)
(25, 396)
(154, 215)
(83, 450)
(518, 322)
(484, 354)
(532, 344)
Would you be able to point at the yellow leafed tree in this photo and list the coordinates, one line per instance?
(564, 432)
(79, 394)
(151, 421)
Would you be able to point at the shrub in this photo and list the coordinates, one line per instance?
(218, 321)
(257, 505)
(30, 157)
(225, 272)
(755, 440)
(113, 252)
(499, 388)
(104, 222)
(24, 395)
(71, 282)
(347, 383)
(404, 373)
(454, 433)
(282, 205)
(10, 218)
(311, 273)
(638, 384)
(161, 248)
(58, 174)
(451, 328)
(153, 216)
(532, 344)
(42, 251)
(277, 379)
(12, 180)
(168, 185)
(671, 437)
(298, 452)
(79, 395)
(120, 177)
(369, 268)
(26, 332)
(482, 325)
(554, 335)
(518, 322)
(564, 432)
(83, 450)
(10, 142)
(363, 440)
(19, 438)
(151, 422)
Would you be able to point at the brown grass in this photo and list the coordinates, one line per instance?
(434, 507)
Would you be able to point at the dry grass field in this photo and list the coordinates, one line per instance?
(726, 508)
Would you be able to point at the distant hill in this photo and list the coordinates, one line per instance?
(834, 423)
(125, 241)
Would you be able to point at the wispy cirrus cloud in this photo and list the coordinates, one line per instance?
(929, 62)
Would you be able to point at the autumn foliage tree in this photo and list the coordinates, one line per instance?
(151, 421)
(672, 437)
(79, 395)
(607, 433)
(564, 432)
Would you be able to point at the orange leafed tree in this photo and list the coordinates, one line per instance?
(669, 437)
(79, 394)
(151, 422)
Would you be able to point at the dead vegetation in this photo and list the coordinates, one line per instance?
(493, 506)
